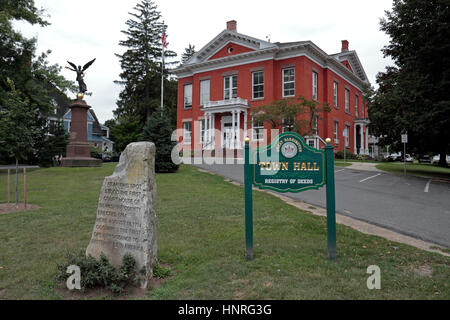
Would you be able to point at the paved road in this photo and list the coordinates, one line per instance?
(413, 206)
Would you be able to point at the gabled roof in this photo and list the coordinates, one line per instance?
(261, 49)
(223, 39)
(354, 62)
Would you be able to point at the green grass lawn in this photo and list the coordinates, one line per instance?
(415, 169)
(201, 236)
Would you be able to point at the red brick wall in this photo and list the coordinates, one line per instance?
(273, 91)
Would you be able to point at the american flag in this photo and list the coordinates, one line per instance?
(163, 39)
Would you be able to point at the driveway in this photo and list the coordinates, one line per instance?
(413, 206)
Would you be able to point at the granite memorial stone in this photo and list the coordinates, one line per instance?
(126, 219)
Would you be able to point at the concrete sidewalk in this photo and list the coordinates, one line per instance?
(364, 166)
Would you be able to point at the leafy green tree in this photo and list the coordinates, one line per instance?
(52, 144)
(414, 94)
(296, 114)
(188, 53)
(141, 64)
(29, 78)
(125, 130)
(159, 131)
(18, 127)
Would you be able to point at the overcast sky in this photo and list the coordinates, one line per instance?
(81, 30)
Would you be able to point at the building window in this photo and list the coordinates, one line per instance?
(311, 143)
(362, 110)
(230, 87)
(188, 96)
(314, 85)
(288, 124)
(347, 100)
(258, 84)
(336, 131)
(356, 105)
(288, 82)
(204, 92)
(335, 93)
(187, 126)
(347, 133)
(257, 130)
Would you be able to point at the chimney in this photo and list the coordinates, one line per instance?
(232, 25)
(344, 45)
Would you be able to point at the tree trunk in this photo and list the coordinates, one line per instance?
(147, 101)
(443, 158)
(17, 181)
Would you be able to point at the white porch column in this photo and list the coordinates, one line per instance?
(245, 124)
(213, 135)
(354, 138)
(367, 140)
(361, 148)
(233, 128)
(206, 128)
(208, 134)
(238, 133)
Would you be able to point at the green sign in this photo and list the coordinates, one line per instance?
(288, 165)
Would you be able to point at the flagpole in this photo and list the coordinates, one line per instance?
(162, 73)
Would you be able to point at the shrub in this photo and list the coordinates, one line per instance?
(348, 155)
(161, 272)
(101, 273)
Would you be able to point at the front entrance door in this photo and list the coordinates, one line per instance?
(228, 136)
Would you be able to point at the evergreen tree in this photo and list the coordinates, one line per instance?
(159, 131)
(188, 53)
(414, 95)
(141, 69)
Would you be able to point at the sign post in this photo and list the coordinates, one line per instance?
(248, 203)
(344, 133)
(404, 141)
(288, 164)
(331, 201)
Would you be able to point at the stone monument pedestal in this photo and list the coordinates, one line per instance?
(78, 151)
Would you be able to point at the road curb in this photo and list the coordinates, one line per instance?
(361, 226)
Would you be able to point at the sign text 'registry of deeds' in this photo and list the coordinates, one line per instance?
(288, 164)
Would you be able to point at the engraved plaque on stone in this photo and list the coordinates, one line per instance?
(126, 219)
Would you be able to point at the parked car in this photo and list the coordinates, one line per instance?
(408, 158)
(96, 155)
(425, 158)
(106, 158)
(437, 157)
(396, 156)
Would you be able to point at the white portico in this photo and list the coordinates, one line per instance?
(361, 136)
(229, 112)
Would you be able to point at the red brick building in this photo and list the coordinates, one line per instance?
(233, 73)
